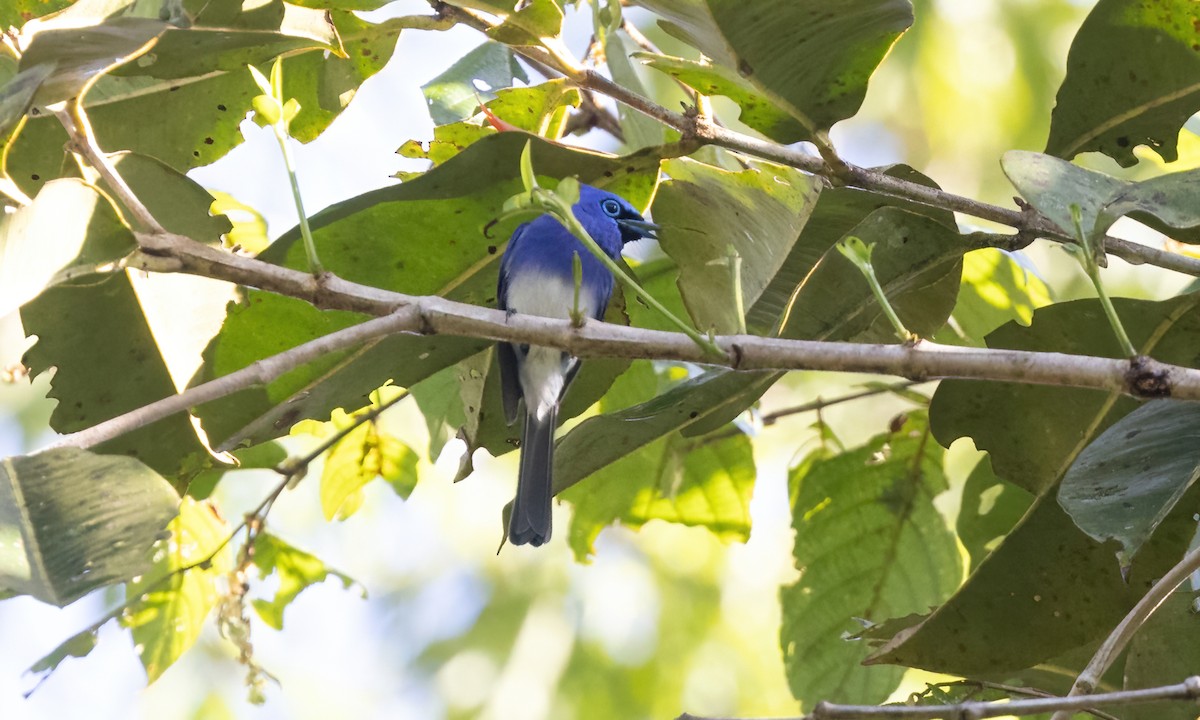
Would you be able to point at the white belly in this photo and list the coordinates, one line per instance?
(544, 370)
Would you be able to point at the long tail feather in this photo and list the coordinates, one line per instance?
(530, 520)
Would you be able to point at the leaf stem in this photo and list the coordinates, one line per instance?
(1088, 255)
(859, 253)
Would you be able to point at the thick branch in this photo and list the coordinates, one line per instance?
(1186, 690)
(697, 126)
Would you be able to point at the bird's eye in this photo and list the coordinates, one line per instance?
(611, 207)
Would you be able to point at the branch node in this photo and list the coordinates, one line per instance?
(1192, 686)
(1145, 378)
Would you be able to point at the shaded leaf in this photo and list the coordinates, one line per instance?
(1126, 482)
(838, 212)
(699, 482)
(990, 508)
(766, 43)
(16, 94)
(73, 521)
(870, 544)
(172, 601)
(1111, 102)
(1053, 185)
(297, 570)
(918, 261)
(1033, 433)
(78, 54)
(1165, 650)
(69, 231)
(704, 211)
(1167, 198)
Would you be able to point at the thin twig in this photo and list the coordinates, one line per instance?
(1187, 690)
(1115, 643)
(820, 404)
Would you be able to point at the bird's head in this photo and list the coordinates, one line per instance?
(602, 212)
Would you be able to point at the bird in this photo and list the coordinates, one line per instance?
(537, 277)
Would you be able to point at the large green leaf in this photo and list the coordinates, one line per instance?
(1048, 587)
(175, 597)
(72, 521)
(79, 54)
(426, 236)
(1053, 186)
(1165, 650)
(16, 12)
(108, 358)
(1111, 102)
(1046, 590)
(69, 231)
(706, 212)
(990, 508)
(870, 545)
(1033, 433)
(365, 453)
(769, 43)
(837, 213)
(918, 261)
(1126, 482)
(696, 481)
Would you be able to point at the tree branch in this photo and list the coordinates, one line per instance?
(699, 127)
(1115, 643)
(1187, 690)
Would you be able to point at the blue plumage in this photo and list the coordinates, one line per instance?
(536, 278)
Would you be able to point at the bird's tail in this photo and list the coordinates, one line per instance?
(530, 519)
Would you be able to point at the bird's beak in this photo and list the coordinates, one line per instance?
(644, 228)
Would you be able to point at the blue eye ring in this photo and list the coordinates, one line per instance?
(611, 207)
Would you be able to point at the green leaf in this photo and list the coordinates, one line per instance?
(602, 440)
(1033, 433)
(297, 570)
(73, 521)
(451, 399)
(442, 251)
(69, 231)
(990, 508)
(1046, 590)
(699, 482)
(640, 130)
(79, 54)
(766, 44)
(452, 95)
(536, 21)
(839, 211)
(1111, 102)
(77, 646)
(869, 544)
(364, 454)
(108, 358)
(996, 288)
(1052, 186)
(193, 120)
(703, 210)
(1060, 588)
(1126, 482)
(1166, 649)
(248, 228)
(17, 94)
(918, 262)
(756, 109)
(1169, 199)
(172, 601)
(14, 13)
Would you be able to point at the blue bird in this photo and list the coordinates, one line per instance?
(537, 278)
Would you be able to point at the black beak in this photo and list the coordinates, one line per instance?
(643, 228)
